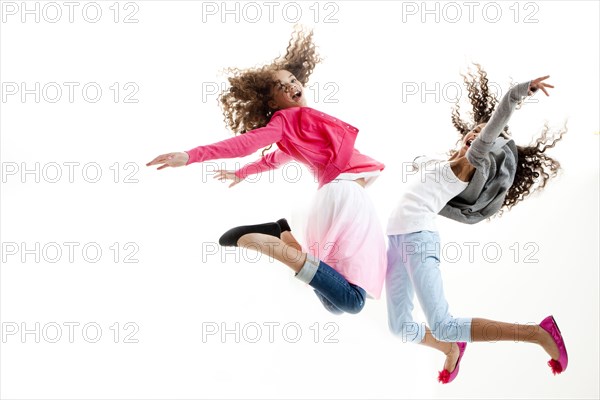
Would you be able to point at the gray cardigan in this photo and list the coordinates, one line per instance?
(495, 159)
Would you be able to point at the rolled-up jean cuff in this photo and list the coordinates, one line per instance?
(309, 269)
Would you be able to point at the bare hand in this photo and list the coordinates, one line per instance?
(224, 175)
(178, 159)
(538, 84)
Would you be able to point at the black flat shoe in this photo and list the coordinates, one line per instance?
(283, 225)
(231, 237)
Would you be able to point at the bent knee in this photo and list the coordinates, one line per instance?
(357, 302)
(356, 306)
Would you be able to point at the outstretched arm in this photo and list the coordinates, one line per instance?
(238, 146)
(270, 161)
(177, 159)
(484, 142)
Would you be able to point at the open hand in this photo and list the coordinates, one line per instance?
(538, 84)
(224, 175)
(178, 159)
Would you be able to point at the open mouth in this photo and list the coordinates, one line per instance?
(296, 95)
(471, 140)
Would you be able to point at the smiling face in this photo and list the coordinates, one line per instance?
(469, 138)
(287, 92)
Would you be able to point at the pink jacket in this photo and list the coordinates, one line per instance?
(321, 142)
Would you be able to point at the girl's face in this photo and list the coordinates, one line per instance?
(469, 138)
(287, 92)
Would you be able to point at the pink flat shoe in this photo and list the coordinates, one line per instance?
(550, 326)
(447, 377)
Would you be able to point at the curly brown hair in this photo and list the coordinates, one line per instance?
(246, 103)
(534, 167)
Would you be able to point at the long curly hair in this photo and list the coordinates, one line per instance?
(534, 166)
(245, 103)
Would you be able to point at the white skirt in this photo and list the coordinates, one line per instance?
(343, 230)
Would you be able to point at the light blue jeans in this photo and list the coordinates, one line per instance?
(414, 268)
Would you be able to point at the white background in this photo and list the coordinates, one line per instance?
(375, 52)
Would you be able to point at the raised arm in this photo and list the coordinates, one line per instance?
(485, 141)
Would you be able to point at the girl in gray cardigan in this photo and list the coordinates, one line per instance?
(487, 173)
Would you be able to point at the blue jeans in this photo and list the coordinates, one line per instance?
(414, 268)
(336, 294)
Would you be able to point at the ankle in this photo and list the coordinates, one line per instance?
(453, 349)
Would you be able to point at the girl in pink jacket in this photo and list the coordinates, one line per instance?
(266, 106)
